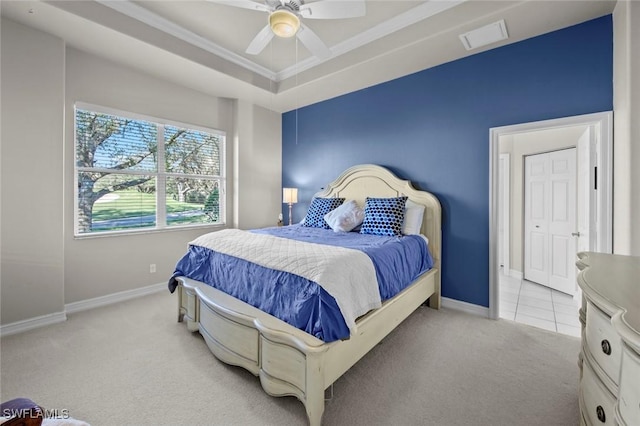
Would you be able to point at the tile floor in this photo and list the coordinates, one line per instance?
(534, 304)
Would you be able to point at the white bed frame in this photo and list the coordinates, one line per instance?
(288, 360)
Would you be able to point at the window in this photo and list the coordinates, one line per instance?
(139, 173)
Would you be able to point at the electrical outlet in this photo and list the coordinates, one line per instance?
(152, 268)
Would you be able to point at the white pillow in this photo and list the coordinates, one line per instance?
(345, 217)
(413, 213)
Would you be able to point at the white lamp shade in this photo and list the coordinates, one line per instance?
(290, 195)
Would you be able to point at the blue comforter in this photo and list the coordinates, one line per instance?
(398, 261)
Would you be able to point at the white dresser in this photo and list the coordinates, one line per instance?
(610, 355)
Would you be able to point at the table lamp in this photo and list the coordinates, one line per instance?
(290, 196)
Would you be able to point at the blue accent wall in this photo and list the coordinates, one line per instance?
(432, 127)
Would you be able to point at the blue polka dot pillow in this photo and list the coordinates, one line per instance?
(383, 216)
(318, 209)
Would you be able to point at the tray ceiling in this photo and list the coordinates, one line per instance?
(203, 43)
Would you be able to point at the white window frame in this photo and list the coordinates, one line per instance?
(160, 174)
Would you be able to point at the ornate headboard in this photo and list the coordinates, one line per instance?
(369, 180)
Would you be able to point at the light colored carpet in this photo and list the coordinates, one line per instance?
(133, 364)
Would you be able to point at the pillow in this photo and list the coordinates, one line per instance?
(345, 218)
(318, 208)
(383, 216)
(413, 213)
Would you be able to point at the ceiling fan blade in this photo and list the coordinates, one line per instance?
(260, 41)
(245, 4)
(312, 42)
(333, 9)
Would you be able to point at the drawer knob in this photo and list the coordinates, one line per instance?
(606, 347)
(600, 413)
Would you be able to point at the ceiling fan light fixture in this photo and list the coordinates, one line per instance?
(284, 23)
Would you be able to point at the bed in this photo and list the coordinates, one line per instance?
(292, 362)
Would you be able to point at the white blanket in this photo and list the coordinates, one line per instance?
(346, 274)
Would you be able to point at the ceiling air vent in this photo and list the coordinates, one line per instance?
(484, 35)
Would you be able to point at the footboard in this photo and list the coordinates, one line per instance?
(287, 360)
(188, 306)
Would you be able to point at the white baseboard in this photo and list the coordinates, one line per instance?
(469, 308)
(84, 305)
(32, 323)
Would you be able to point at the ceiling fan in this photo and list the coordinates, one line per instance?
(285, 20)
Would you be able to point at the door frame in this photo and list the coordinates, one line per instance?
(603, 125)
(505, 209)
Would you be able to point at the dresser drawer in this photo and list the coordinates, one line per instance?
(603, 342)
(629, 397)
(597, 402)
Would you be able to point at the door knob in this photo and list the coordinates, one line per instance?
(575, 234)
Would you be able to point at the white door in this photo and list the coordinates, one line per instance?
(536, 265)
(550, 219)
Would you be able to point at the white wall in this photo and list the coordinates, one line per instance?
(32, 194)
(99, 266)
(43, 266)
(626, 104)
(257, 141)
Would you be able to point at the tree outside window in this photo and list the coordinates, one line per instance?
(137, 174)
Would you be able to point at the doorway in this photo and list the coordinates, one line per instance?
(550, 228)
(595, 184)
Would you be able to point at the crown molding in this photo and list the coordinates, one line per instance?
(132, 10)
(396, 23)
(410, 17)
